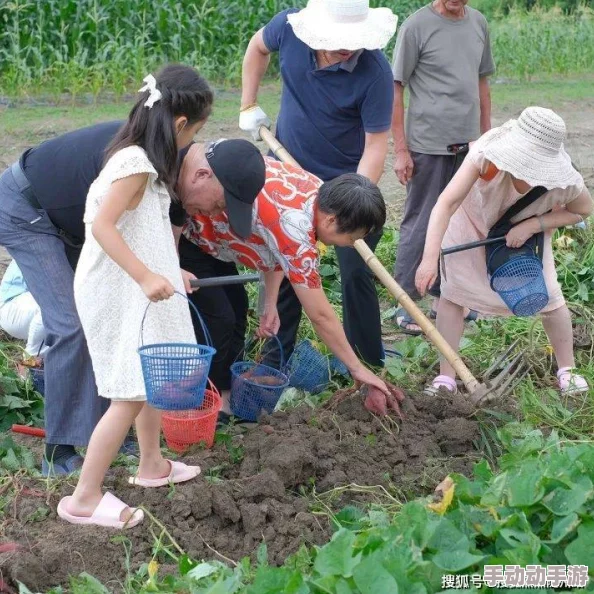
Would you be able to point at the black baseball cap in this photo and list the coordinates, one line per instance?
(240, 168)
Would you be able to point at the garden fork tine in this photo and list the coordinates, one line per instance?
(512, 373)
(501, 359)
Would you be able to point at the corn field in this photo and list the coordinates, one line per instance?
(543, 43)
(76, 46)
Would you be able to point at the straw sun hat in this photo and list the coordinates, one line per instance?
(531, 149)
(343, 25)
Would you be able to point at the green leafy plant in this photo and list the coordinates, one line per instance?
(236, 451)
(14, 457)
(79, 47)
(19, 402)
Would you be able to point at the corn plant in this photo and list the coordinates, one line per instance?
(76, 46)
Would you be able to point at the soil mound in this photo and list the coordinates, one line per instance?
(255, 486)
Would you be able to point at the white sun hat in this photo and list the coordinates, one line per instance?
(531, 149)
(343, 25)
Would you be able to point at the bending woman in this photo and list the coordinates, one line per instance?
(501, 167)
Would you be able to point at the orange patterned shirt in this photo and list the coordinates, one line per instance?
(283, 232)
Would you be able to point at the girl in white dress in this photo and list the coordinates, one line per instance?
(129, 257)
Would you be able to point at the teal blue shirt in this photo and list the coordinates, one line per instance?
(13, 284)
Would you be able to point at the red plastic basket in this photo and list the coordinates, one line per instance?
(183, 428)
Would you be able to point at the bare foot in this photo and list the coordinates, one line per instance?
(154, 469)
(84, 507)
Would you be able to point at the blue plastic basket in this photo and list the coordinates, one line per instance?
(520, 283)
(308, 369)
(37, 375)
(175, 374)
(256, 387)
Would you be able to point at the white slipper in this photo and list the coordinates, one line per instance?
(570, 382)
(179, 473)
(106, 514)
(441, 381)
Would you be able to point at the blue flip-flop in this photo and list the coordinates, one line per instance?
(405, 321)
(391, 353)
(130, 447)
(62, 468)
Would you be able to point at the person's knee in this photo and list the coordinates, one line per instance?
(126, 409)
(65, 330)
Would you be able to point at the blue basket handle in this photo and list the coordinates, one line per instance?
(280, 348)
(207, 337)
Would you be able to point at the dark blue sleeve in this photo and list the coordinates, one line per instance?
(376, 109)
(275, 29)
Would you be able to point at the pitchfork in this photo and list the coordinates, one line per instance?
(493, 385)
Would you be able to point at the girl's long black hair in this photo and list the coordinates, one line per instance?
(184, 93)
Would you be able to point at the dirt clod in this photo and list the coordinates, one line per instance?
(257, 499)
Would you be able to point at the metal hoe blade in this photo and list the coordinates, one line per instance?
(513, 369)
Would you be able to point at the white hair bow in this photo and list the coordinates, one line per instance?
(151, 86)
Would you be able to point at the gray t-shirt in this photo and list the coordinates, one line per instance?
(441, 60)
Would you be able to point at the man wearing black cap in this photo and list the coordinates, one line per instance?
(292, 209)
(216, 178)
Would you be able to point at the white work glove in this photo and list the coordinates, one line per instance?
(251, 119)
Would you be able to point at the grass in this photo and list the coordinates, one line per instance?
(28, 123)
(529, 45)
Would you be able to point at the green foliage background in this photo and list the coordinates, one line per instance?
(74, 46)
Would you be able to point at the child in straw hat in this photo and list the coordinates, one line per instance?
(501, 167)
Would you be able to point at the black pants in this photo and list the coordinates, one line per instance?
(223, 309)
(361, 313)
(432, 173)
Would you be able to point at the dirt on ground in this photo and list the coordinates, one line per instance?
(264, 485)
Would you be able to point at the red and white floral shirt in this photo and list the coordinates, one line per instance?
(283, 231)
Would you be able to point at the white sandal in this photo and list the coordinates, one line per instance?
(570, 382)
(441, 381)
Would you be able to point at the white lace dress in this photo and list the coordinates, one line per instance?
(110, 304)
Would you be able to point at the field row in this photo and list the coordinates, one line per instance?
(89, 46)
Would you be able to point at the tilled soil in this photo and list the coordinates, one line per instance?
(265, 496)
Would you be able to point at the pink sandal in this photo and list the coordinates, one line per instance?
(441, 381)
(179, 473)
(106, 514)
(570, 382)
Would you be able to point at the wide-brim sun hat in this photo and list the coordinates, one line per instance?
(333, 25)
(531, 149)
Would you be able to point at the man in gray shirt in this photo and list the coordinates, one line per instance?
(443, 55)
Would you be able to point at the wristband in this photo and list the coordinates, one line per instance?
(250, 106)
(542, 227)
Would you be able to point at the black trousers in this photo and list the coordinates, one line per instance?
(361, 313)
(432, 173)
(223, 310)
